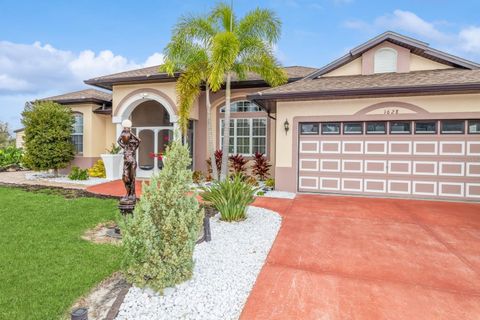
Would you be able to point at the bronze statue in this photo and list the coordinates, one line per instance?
(129, 142)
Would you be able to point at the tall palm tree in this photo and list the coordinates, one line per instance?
(211, 49)
(241, 47)
(188, 52)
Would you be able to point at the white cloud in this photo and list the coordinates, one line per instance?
(465, 42)
(410, 22)
(470, 39)
(29, 71)
(154, 60)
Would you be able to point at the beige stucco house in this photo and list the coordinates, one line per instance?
(393, 117)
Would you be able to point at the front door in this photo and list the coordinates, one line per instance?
(151, 150)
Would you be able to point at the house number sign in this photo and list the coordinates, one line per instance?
(390, 111)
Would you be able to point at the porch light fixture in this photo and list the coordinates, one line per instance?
(286, 126)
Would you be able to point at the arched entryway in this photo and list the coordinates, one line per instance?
(154, 122)
(151, 123)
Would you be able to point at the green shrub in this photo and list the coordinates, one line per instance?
(159, 239)
(48, 135)
(97, 170)
(230, 197)
(270, 183)
(78, 174)
(10, 157)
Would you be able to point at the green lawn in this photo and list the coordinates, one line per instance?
(44, 264)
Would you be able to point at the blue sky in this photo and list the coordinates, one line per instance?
(49, 47)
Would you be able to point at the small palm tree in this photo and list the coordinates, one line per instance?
(188, 51)
(241, 47)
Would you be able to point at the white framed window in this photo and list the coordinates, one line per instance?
(385, 60)
(242, 106)
(247, 135)
(77, 133)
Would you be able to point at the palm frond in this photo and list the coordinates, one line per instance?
(262, 24)
(223, 16)
(225, 50)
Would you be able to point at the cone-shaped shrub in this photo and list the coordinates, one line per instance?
(160, 237)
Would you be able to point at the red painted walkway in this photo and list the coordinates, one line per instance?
(362, 258)
(114, 188)
(366, 259)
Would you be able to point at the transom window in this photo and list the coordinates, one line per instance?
(247, 135)
(400, 127)
(77, 133)
(385, 60)
(331, 128)
(242, 106)
(309, 128)
(474, 126)
(426, 127)
(353, 128)
(453, 126)
(376, 127)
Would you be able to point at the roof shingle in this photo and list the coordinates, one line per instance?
(82, 95)
(152, 73)
(385, 80)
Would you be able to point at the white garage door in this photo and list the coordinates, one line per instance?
(422, 159)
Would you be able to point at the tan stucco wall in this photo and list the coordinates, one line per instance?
(19, 139)
(352, 68)
(406, 61)
(120, 92)
(418, 63)
(98, 130)
(290, 110)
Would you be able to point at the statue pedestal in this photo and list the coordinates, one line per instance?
(126, 206)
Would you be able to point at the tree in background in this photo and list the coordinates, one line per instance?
(47, 140)
(240, 47)
(5, 137)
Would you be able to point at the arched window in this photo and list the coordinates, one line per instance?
(242, 106)
(77, 133)
(248, 133)
(385, 60)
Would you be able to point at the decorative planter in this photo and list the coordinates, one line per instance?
(113, 165)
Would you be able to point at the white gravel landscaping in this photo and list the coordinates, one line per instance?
(279, 194)
(225, 271)
(45, 176)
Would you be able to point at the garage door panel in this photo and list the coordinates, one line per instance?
(416, 166)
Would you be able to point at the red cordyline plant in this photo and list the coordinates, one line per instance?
(238, 163)
(218, 161)
(261, 167)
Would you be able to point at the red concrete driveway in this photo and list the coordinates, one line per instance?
(361, 258)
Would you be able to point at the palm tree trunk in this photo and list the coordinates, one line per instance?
(226, 130)
(210, 147)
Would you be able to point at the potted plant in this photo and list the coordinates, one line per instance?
(113, 161)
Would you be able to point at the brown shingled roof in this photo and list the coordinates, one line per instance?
(87, 95)
(434, 80)
(152, 74)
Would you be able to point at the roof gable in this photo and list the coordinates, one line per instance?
(416, 47)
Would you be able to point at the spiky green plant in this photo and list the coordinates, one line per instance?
(230, 197)
(159, 239)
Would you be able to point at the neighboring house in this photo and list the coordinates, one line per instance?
(393, 117)
(19, 133)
